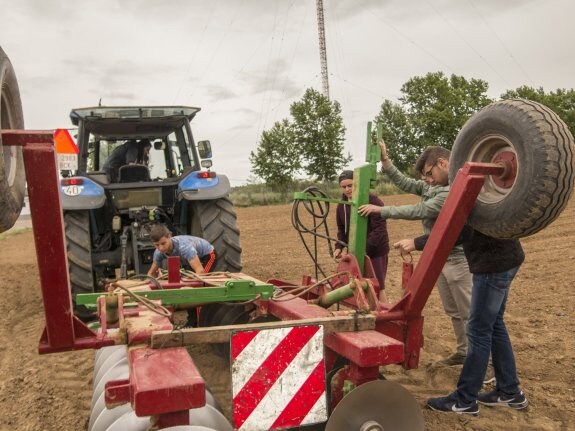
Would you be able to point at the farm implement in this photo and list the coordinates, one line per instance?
(310, 356)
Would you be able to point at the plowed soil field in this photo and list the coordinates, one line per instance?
(53, 392)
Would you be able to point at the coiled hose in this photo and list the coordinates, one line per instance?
(319, 211)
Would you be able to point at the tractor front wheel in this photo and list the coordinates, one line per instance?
(12, 177)
(539, 149)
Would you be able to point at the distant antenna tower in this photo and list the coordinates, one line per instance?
(322, 50)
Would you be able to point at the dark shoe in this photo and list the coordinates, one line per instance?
(489, 375)
(497, 398)
(448, 404)
(454, 359)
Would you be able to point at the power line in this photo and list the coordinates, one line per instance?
(466, 42)
(410, 40)
(500, 40)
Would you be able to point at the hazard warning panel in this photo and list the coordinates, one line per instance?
(278, 378)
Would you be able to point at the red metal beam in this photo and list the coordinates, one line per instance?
(447, 228)
(161, 381)
(63, 330)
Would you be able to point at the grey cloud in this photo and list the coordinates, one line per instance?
(273, 78)
(218, 92)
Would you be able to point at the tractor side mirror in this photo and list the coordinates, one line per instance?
(205, 149)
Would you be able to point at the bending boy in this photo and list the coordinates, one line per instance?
(195, 252)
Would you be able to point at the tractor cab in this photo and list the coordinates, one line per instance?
(101, 130)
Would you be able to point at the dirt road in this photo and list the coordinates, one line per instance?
(53, 392)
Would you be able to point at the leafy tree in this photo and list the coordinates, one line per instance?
(319, 132)
(561, 101)
(277, 158)
(398, 135)
(433, 109)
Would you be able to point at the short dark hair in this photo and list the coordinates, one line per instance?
(430, 156)
(159, 231)
(345, 175)
(145, 143)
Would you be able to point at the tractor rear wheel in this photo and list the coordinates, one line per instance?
(216, 222)
(540, 147)
(79, 250)
(12, 177)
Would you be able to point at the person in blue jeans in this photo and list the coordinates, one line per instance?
(493, 263)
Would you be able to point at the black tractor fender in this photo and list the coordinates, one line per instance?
(81, 193)
(193, 188)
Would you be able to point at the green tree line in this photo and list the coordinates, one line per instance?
(431, 111)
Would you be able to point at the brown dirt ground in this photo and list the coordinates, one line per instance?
(53, 392)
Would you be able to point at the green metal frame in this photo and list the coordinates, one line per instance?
(364, 178)
(232, 290)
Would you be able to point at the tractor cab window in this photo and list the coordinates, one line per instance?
(100, 151)
(175, 154)
(157, 162)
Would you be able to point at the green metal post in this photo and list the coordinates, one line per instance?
(363, 180)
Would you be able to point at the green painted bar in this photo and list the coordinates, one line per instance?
(236, 290)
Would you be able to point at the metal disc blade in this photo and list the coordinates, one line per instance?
(209, 417)
(383, 402)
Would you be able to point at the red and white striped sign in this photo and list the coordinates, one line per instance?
(278, 378)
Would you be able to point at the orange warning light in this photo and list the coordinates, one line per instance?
(64, 142)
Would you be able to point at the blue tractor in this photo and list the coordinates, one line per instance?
(108, 214)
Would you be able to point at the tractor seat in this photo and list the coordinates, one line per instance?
(133, 173)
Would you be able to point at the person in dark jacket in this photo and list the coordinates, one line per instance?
(129, 153)
(377, 244)
(493, 264)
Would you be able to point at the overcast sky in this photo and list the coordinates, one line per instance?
(245, 62)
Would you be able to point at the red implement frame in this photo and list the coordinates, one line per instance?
(397, 338)
(163, 392)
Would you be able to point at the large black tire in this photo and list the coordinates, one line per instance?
(79, 250)
(12, 176)
(544, 151)
(216, 222)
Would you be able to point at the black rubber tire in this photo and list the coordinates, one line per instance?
(207, 313)
(545, 154)
(216, 221)
(12, 176)
(79, 250)
(235, 316)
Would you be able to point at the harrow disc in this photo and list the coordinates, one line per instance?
(375, 406)
(119, 372)
(106, 353)
(129, 422)
(112, 362)
(107, 417)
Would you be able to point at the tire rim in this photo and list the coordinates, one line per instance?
(496, 149)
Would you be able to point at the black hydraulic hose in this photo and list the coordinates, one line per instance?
(319, 211)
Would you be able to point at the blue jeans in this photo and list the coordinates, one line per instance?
(486, 333)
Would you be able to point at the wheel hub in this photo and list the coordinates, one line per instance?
(509, 161)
